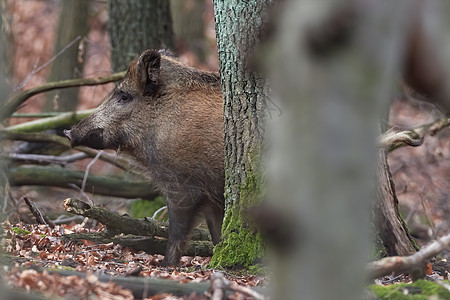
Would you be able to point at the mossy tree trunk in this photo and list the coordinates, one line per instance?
(137, 25)
(72, 23)
(244, 91)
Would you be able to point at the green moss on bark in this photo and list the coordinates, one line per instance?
(242, 245)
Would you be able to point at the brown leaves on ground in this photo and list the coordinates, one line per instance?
(37, 246)
(65, 286)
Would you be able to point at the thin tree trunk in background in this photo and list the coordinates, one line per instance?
(7, 42)
(390, 227)
(189, 27)
(244, 92)
(72, 23)
(137, 25)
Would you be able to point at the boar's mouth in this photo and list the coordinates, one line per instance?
(93, 139)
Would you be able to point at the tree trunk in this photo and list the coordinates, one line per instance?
(335, 69)
(244, 91)
(72, 23)
(189, 27)
(137, 25)
(390, 227)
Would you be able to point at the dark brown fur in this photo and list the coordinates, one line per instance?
(169, 118)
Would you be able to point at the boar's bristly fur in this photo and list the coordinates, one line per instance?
(167, 116)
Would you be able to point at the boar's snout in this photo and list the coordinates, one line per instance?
(92, 139)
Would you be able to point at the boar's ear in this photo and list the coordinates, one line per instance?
(148, 70)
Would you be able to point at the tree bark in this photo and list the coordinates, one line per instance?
(72, 23)
(390, 227)
(244, 92)
(137, 25)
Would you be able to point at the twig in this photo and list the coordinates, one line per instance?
(246, 291)
(443, 284)
(118, 161)
(45, 159)
(157, 212)
(40, 218)
(36, 115)
(393, 138)
(219, 285)
(86, 173)
(13, 102)
(401, 264)
(36, 70)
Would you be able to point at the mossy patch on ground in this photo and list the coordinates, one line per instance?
(145, 208)
(419, 290)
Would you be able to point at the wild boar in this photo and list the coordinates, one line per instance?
(168, 117)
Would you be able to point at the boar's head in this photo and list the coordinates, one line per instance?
(123, 119)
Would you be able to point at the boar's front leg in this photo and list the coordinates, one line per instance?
(181, 220)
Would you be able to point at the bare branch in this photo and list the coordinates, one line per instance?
(399, 264)
(37, 69)
(11, 104)
(394, 138)
(44, 159)
(40, 218)
(86, 173)
(118, 161)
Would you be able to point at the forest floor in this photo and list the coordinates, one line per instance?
(421, 176)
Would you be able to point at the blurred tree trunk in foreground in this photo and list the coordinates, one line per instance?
(244, 92)
(72, 23)
(189, 27)
(335, 68)
(137, 25)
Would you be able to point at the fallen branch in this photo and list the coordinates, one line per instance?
(44, 159)
(13, 103)
(116, 223)
(102, 185)
(394, 138)
(62, 119)
(147, 244)
(118, 161)
(400, 264)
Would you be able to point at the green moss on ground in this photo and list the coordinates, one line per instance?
(419, 290)
(145, 208)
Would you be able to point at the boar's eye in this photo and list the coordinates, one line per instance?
(124, 97)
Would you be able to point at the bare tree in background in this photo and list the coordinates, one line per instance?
(137, 25)
(189, 27)
(72, 25)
